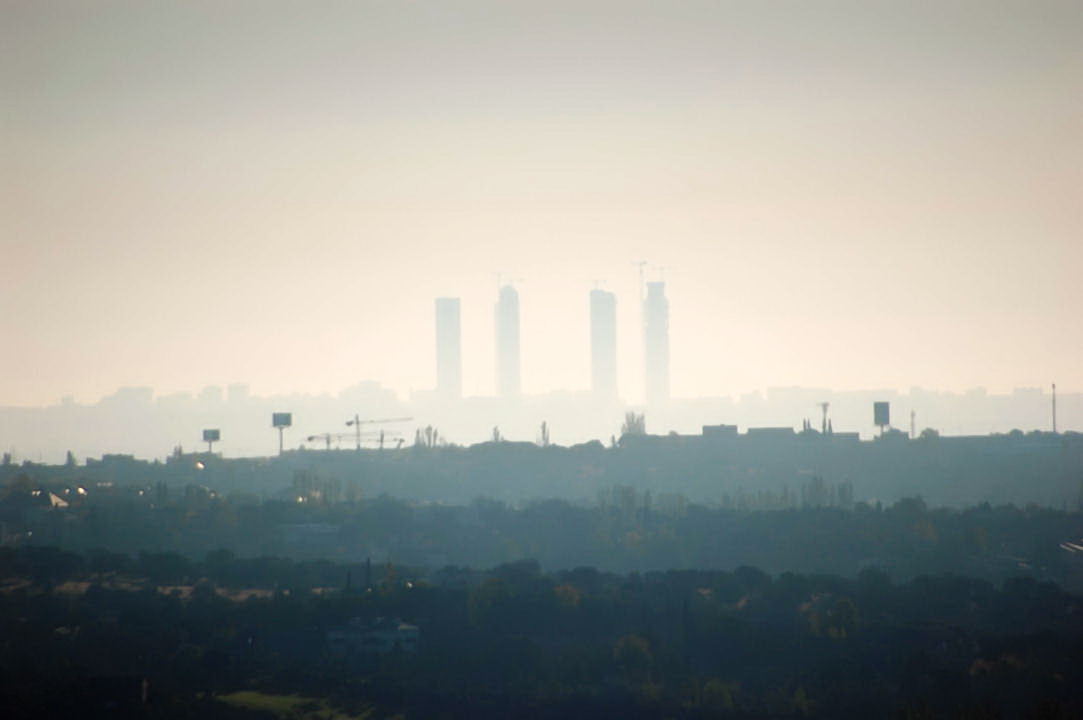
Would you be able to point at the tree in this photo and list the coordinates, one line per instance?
(632, 654)
(717, 696)
(634, 424)
(429, 437)
(20, 487)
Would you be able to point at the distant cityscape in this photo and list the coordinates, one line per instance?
(603, 344)
(136, 421)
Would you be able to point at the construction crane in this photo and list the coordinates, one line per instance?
(327, 438)
(357, 422)
(389, 434)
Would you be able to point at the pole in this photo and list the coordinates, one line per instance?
(357, 429)
(280, 440)
(1054, 408)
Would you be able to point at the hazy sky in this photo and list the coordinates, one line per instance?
(843, 195)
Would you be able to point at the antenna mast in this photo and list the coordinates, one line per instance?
(1054, 408)
(823, 424)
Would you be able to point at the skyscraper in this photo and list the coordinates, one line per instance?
(603, 343)
(656, 343)
(449, 358)
(507, 342)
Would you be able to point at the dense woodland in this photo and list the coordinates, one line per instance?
(174, 598)
(818, 529)
(162, 636)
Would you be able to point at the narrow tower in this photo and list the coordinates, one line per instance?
(449, 360)
(656, 343)
(507, 342)
(603, 344)
(1054, 408)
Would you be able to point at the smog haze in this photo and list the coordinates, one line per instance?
(845, 195)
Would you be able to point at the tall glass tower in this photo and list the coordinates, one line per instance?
(449, 356)
(656, 343)
(507, 342)
(603, 344)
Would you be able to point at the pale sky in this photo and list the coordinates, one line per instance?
(847, 195)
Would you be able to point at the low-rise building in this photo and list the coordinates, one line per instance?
(379, 637)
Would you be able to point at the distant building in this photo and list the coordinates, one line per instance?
(377, 638)
(850, 437)
(771, 433)
(656, 343)
(507, 342)
(211, 395)
(603, 343)
(238, 393)
(449, 358)
(720, 431)
(307, 539)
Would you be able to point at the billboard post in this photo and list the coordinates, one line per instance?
(211, 436)
(281, 421)
(881, 415)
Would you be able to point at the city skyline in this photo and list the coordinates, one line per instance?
(621, 358)
(847, 196)
(633, 370)
(598, 354)
(151, 424)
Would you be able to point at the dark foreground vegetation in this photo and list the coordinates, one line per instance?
(816, 528)
(101, 634)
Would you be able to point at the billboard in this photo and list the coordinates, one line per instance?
(281, 420)
(212, 435)
(881, 414)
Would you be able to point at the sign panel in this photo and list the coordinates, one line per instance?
(881, 414)
(212, 435)
(281, 420)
